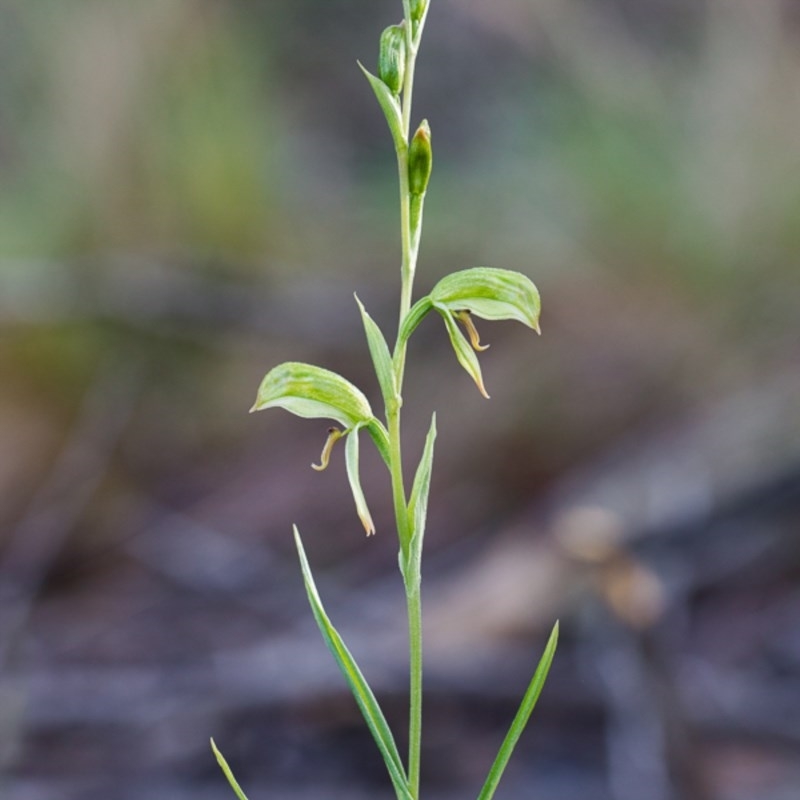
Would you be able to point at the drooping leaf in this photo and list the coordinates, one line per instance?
(521, 719)
(228, 773)
(381, 358)
(418, 509)
(490, 293)
(390, 105)
(351, 460)
(313, 392)
(464, 352)
(364, 697)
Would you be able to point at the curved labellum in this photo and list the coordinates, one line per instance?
(491, 294)
(313, 392)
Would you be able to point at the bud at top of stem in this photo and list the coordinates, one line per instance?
(420, 160)
(418, 9)
(392, 57)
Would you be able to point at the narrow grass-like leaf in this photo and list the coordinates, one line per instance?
(418, 507)
(463, 350)
(381, 358)
(521, 719)
(351, 461)
(376, 722)
(391, 107)
(228, 774)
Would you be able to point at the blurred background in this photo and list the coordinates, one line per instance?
(192, 190)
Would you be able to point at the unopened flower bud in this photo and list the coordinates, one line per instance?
(420, 159)
(392, 57)
(418, 9)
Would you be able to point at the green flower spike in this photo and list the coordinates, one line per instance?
(313, 392)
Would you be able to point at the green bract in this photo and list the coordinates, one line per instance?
(314, 393)
(390, 105)
(381, 359)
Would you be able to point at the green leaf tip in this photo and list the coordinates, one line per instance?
(227, 771)
(526, 707)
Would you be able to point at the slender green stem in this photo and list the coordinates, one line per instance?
(415, 689)
(408, 265)
(410, 246)
(398, 488)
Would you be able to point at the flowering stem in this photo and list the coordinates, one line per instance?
(409, 235)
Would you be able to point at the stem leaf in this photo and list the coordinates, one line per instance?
(521, 719)
(391, 107)
(381, 358)
(418, 509)
(228, 773)
(373, 716)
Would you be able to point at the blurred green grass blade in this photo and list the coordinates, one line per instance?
(228, 774)
(521, 719)
(364, 697)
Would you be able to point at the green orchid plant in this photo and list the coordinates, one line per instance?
(313, 392)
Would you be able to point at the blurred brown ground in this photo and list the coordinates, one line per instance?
(191, 191)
